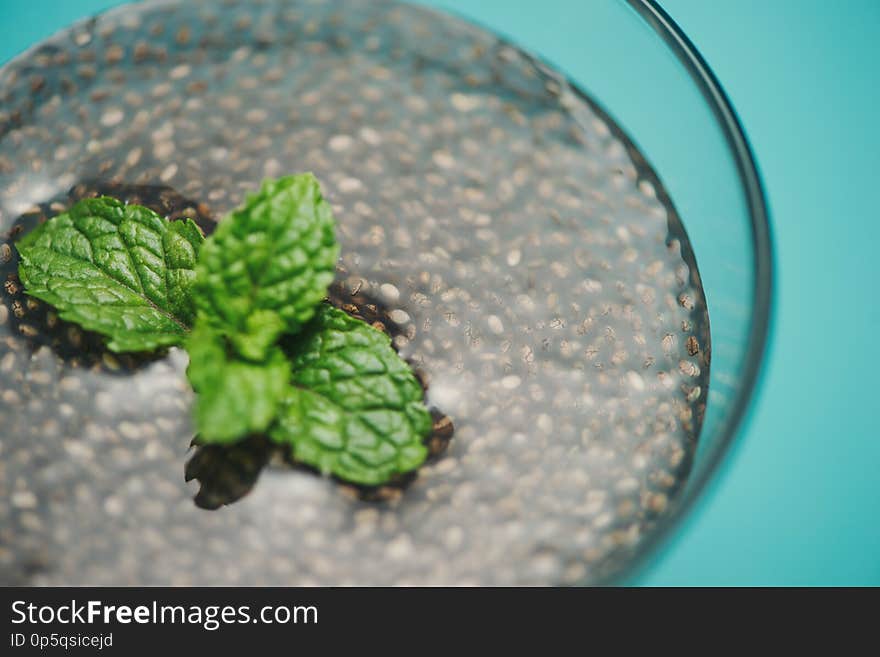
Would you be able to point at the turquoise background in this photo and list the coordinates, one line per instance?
(797, 502)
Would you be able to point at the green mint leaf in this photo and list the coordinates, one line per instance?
(268, 264)
(261, 331)
(354, 408)
(236, 397)
(120, 270)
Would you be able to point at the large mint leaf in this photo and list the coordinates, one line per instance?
(268, 264)
(236, 397)
(121, 270)
(355, 407)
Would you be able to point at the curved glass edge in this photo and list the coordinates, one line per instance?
(761, 318)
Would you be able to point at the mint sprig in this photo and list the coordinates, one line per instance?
(267, 356)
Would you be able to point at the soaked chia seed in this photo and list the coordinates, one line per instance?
(520, 251)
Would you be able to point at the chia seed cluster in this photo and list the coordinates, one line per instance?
(505, 232)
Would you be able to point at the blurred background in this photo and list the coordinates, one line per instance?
(796, 502)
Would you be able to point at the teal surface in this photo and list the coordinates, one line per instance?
(797, 502)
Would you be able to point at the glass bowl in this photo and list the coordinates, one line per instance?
(531, 246)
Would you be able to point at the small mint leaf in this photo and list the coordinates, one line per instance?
(261, 331)
(120, 270)
(236, 397)
(354, 408)
(274, 254)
